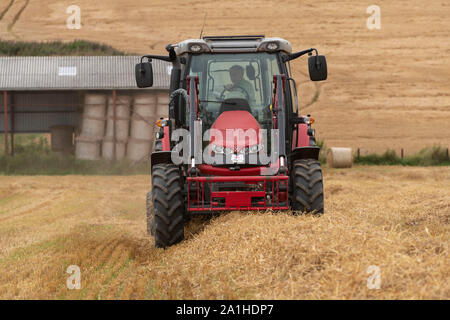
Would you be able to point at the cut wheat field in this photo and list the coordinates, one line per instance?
(395, 218)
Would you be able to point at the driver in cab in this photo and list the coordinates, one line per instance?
(240, 86)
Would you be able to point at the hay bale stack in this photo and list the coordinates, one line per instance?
(108, 149)
(138, 149)
(87, 145)
(87, 148)
(340, 158)
(121, 128)
(144, 117)
(162, 107)
(122, 118)
(142, 126)
(93, 123)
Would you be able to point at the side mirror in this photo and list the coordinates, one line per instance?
(144, 75)
(317, 66)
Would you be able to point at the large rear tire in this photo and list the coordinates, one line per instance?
(307, 183)
(150, 220)
(167, 224)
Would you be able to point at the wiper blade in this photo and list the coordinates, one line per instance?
(214, 101)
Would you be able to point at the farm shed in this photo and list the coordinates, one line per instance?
(42, 94)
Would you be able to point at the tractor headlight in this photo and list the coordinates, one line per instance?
(308, 120)
(195, 48)
(217, 149)
(272, 46)
(255, 148)
(220, 149)
(252, 149)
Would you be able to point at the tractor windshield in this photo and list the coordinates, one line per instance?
(247, 76)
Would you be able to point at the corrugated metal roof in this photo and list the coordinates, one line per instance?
(81, 72)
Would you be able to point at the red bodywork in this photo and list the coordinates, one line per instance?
(242, 124)
(268, 194)
(252, 188)
(300, 136)
(166, 139)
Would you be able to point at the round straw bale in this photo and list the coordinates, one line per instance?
(340, 157)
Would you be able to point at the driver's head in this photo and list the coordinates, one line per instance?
(236, 73)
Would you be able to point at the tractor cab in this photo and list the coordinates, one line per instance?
(246, 146)
(234, 96)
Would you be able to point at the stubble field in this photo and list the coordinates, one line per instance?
(394, 218)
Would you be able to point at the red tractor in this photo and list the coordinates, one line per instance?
(234, 139)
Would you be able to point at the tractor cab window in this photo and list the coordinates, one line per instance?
(293, 89)
(238, 76)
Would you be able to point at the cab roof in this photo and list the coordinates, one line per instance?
(224, 44)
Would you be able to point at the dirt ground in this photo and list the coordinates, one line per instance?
(387, 88)
(393, 218)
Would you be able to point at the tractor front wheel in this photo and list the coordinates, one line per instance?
(150, 220)
(168, 206)
(307, 184)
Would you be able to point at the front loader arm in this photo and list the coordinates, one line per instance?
(278, 111)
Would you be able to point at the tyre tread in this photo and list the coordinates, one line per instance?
(307, 186)
(168, 206)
